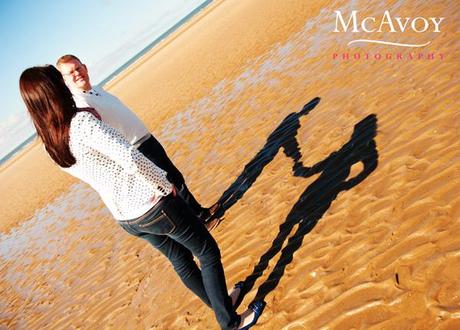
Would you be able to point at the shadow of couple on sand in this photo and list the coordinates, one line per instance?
(315, 200)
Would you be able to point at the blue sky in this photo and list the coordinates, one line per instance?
(103, 33)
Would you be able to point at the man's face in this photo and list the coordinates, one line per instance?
(75, 75)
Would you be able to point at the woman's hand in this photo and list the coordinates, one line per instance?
(173, 192)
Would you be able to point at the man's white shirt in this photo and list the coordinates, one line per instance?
(113, 112)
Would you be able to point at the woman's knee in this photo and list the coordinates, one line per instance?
(184, 266)
(210, 252)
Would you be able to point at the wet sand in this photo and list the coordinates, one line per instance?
(339, 181)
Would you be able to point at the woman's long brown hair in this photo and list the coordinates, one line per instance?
(51, 107)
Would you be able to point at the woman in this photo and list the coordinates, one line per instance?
(134, 189)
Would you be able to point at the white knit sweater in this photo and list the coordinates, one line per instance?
(128, 182)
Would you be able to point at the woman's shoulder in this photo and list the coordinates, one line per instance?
(82, 121)
(83, 117)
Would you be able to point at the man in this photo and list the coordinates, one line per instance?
(120, 117)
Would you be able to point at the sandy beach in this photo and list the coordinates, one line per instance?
(339, 180)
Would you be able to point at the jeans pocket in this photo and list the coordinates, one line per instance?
(159, 225)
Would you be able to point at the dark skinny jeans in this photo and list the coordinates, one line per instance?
(171, 227)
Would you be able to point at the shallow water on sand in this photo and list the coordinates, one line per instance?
(42, 236)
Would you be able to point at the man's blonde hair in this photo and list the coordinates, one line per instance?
(67, 58)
